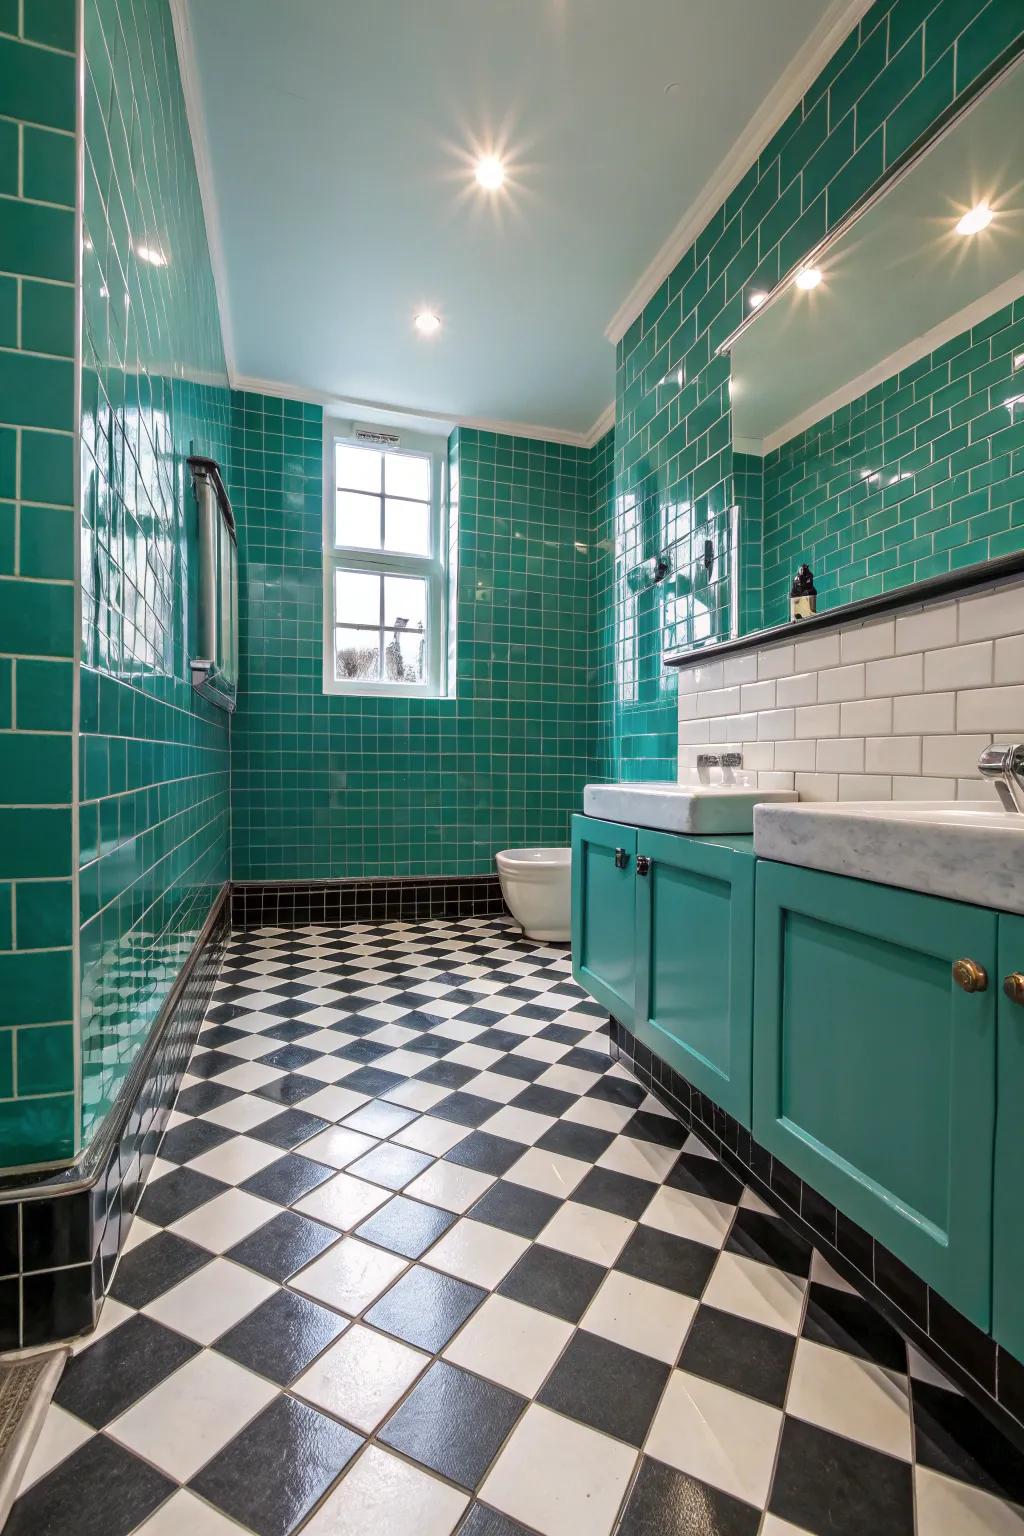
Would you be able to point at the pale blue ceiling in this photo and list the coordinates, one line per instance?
(339, 137)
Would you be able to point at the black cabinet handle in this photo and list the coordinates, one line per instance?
(643, 864)
(621, 858)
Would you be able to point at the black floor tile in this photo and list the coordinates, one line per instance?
(607, 1386)
(191, 1138)
(145, 1272)
(618, 1090)
(390, 1165)
(110, 1491)
(618, 1193)
(553, 1282)
(203, 1096)
(446, 1074)
(739, 1354)
(954, 1437)
(454, 1423)
(832, 1486)
(850, 1323)
(364, 1051)
(406, 1226)
(485, 1153)
(122, 1366)
(484, 1521)
(664, 1259)
(176, 1193)
(583, 1142)
(283, 1246)
(282, 1336)
(290, 1089)
(290, 1128)
(704, 1176)
(373, 1080)
(541, 1100)
(273, 1473)
(665, 1502)
(288, 1179)
(663, 1130)
(465, 1109)
(515, 1208)
(425, 1308)
(524, 1067)
(770, 1240)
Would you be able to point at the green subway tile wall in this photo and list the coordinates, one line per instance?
(324, 786)
(153, 758)
(900, 68)
(37, 595)
(921, 475)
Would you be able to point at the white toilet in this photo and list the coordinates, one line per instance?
(535, 885)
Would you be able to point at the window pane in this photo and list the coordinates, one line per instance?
(356, 469)
(356, 598)
(404, 652)
(405, 602)
(407, 527)
(357, 655)
(358, 520)
(407, 475)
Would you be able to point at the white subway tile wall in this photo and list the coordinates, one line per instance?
(891, 709)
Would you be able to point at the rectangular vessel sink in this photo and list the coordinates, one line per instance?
(691, 808)
(963, 849)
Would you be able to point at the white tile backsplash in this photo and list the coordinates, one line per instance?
(895, 708)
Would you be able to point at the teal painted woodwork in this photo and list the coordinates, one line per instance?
(695, 961)
(1008, 1192)
(603, 913)
(874, 1073)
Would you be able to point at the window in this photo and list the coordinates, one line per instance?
(384, 578)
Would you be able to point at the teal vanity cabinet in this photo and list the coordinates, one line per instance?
(1008, 1217)
(875, 1068)
(662, 936)
(695, 951)
(604, 913)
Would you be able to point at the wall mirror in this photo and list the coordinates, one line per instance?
(878, 393)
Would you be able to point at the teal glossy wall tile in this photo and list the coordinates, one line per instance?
(677, 490)
(921, 475)
(153, 760)
(324, 786)
(37, 600)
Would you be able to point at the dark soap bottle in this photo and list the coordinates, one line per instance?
(803, 594)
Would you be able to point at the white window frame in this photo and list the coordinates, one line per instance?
(429, 568)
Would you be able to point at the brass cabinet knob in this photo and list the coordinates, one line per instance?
(643, 864)
(1013, 986)
(970, 975)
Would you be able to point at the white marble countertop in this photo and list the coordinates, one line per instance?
(960, 849)
(686, 808)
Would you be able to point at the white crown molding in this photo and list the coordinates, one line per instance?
(804, 68)
(196, 119)
(375, 412)
(972, 314)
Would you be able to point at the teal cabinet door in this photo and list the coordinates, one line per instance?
(874, 1072)
(1008, 1217)
(695, 954)
(603, 940)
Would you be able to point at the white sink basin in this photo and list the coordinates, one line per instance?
(965, 850)
(692, 808)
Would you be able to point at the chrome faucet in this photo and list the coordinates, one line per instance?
(1005, 767)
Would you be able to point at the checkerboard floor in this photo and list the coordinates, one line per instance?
(417, 1259)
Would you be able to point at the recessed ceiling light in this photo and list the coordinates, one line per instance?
(151, 253)
(427, 323)
(808, 277)
(490, 172)
(977, 218)
(756, 299)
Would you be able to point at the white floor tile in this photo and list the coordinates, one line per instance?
(428, 1134)
(383, 1493)
(361, 1377)
(450, 1186)
(415, 1095)
(192, 1414)
(333, 1102)
(249, 1076)
(851, 1397)
(61, 1434)
(550, 1172)
(724, 1438)
(337, 1147)
(687, 1215)
(599, 1113)
(510, 1343)
(947, 1507)
(568, 1079)
(519, 1124)
(404, 1063)
(209, 1302)
(641, 1316)
(642, 1159)
(236, 1160)
(479, 1057)
(112, 1314)
(751, 1202)
(541, 1050)
(560, 1477)
(225, 1220)
(497, 1087)
(822, 1273)
(473, 1251)
(184, 1512)
(773, 1526)
(343, 1202)
(587, 1232)
(139, 1232)
(757, 1291)
(922, 1369)
(243, 1113)
(350, 1275)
